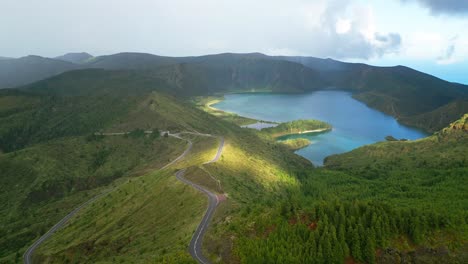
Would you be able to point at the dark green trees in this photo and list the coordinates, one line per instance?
(329, 232)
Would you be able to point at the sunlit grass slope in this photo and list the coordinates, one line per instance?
(379, 203)
(41, 184)
(251, 171)
(149, 219)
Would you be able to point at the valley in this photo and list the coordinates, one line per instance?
(234, 132)
(370, 201)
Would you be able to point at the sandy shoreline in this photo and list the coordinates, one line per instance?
(215, 101)
(311, 131)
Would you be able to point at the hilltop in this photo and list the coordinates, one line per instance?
(75, 57)
(21, 71)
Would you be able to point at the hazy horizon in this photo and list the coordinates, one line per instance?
(427, 35)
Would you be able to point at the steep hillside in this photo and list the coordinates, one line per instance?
(411, 96)
(33, 119)
(41, 184)
(251, 171)
(399, 91)
(436, 166)
(16, 72)
(71, 167)
(380, 203)
(439, 118)
(402, 92)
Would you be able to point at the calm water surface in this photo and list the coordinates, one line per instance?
(354, 124)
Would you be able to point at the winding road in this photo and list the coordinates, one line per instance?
(27, 256)
(195, 247)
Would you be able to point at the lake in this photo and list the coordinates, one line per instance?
(354, 124)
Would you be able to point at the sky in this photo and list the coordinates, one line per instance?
(428, 35)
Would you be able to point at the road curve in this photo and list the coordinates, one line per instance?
(27, 256)
(195, 246)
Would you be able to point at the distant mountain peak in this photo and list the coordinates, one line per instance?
(75, 57)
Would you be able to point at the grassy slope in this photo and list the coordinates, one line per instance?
(147, 219)
(248, 164)
(296, 143)
(34, 119)
(42, 183)
(66, 165)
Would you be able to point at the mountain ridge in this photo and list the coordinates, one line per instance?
(400, 91)
(75, 57)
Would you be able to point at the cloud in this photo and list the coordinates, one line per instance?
(347, 31)
(447, 56)
(438, 7)
(342, 29)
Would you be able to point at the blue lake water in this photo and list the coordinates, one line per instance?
(354, 124)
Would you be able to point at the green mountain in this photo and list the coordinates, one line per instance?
(130, 60)
(75, 57)
(54, 163)
(399, 91)
(382, 202)
(410, 96)
(16, 72)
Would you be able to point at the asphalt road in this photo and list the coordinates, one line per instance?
(27, 256)
(195, 247)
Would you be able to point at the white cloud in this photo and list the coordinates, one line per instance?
(343, 26)
(348, 30)
(436, 46)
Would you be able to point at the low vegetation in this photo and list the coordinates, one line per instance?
(297, 127)
(295, 143)
(42, 183)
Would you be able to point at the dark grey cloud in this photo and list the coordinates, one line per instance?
(438, 7)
